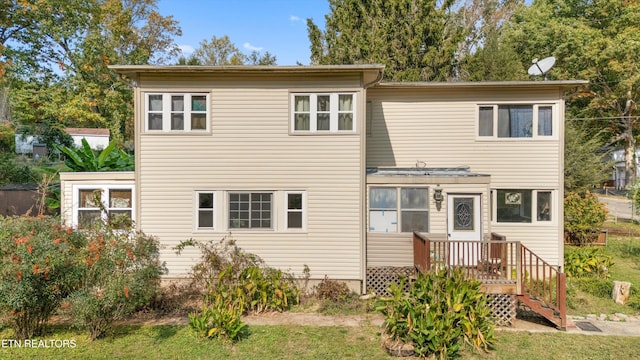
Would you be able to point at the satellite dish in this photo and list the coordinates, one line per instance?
(541, 67)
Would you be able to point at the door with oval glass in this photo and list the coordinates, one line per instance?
(464, 223)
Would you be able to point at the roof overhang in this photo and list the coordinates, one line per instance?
(420, 175)
(371, 73)
(562, 84)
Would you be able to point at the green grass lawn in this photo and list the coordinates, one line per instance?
(304, 342)
(625, 252)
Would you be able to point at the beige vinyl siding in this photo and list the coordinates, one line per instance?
(250, 148)
(99, 179)
(397, 249)
(438, 127)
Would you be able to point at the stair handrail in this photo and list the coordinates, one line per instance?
(543, 281)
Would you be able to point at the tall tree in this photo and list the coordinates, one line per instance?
(596, 40)
(221, 51)
(481, 55)
(414, 39)
(62, 49)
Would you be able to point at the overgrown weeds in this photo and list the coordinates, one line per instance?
(234, 283)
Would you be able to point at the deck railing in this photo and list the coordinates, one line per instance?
(543, 282)
(489, 261)
(496, 261)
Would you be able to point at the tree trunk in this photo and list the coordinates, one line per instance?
(629, 160)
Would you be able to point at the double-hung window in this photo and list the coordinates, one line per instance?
(250, 210)
(403, 209)
(177, 112)
(523, 206)
(205, 210)
(323, 113)
(295, 205)
(515, 121)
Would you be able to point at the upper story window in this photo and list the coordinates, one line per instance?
(177, 112)
(323, 113)
(515, 121)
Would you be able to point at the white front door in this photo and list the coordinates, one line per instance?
(463, 217)
(464, 223)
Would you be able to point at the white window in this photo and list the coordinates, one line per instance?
(523, 206)
(205, 210)
(250, 210)
(295, 210)
(177, 112)
(102, 203)
(515, 121)
(323, 113)
(412, 204)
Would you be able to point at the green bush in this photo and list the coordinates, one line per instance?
(38, 270)
(583, 218)
(121, 273)
(586, 262)
(15, 172)
(441, 311)
(242, 281)
(7, 138)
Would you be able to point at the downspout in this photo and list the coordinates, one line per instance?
(363, 182)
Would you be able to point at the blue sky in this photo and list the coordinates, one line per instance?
(276, 26)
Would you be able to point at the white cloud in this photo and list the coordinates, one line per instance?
(186, 49)
(294, 18)
(251, 47)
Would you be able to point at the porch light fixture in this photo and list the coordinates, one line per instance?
(437, 197)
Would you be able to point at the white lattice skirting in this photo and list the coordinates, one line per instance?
(503, 306)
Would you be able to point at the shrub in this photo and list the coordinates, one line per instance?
(586, 262)
(241, 281)
(583, 218)
(332, 290)
(38, 269)
(442, 310)
(14, 172)
(7, 138)
(121, 274)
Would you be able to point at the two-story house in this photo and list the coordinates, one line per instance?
(333, 168)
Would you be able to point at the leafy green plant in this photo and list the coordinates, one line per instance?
(235, 282)
(16, 172)
(586, 262)
(85, 159)
(38, 270)
(7, 138)
(583, 218)
(121, 273)
(441, 311)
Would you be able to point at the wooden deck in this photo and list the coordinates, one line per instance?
(503, 267)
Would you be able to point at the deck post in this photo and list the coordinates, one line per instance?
(519, 265)
(561, 295)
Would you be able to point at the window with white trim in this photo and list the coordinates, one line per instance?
(295, 208)
(515, 121)
(523, 206)
(323, 113)
(102, 203)
(177, 112)
(250, 210)
(205, 210)
(410, 203)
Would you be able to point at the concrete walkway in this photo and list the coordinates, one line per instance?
(621, 325)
